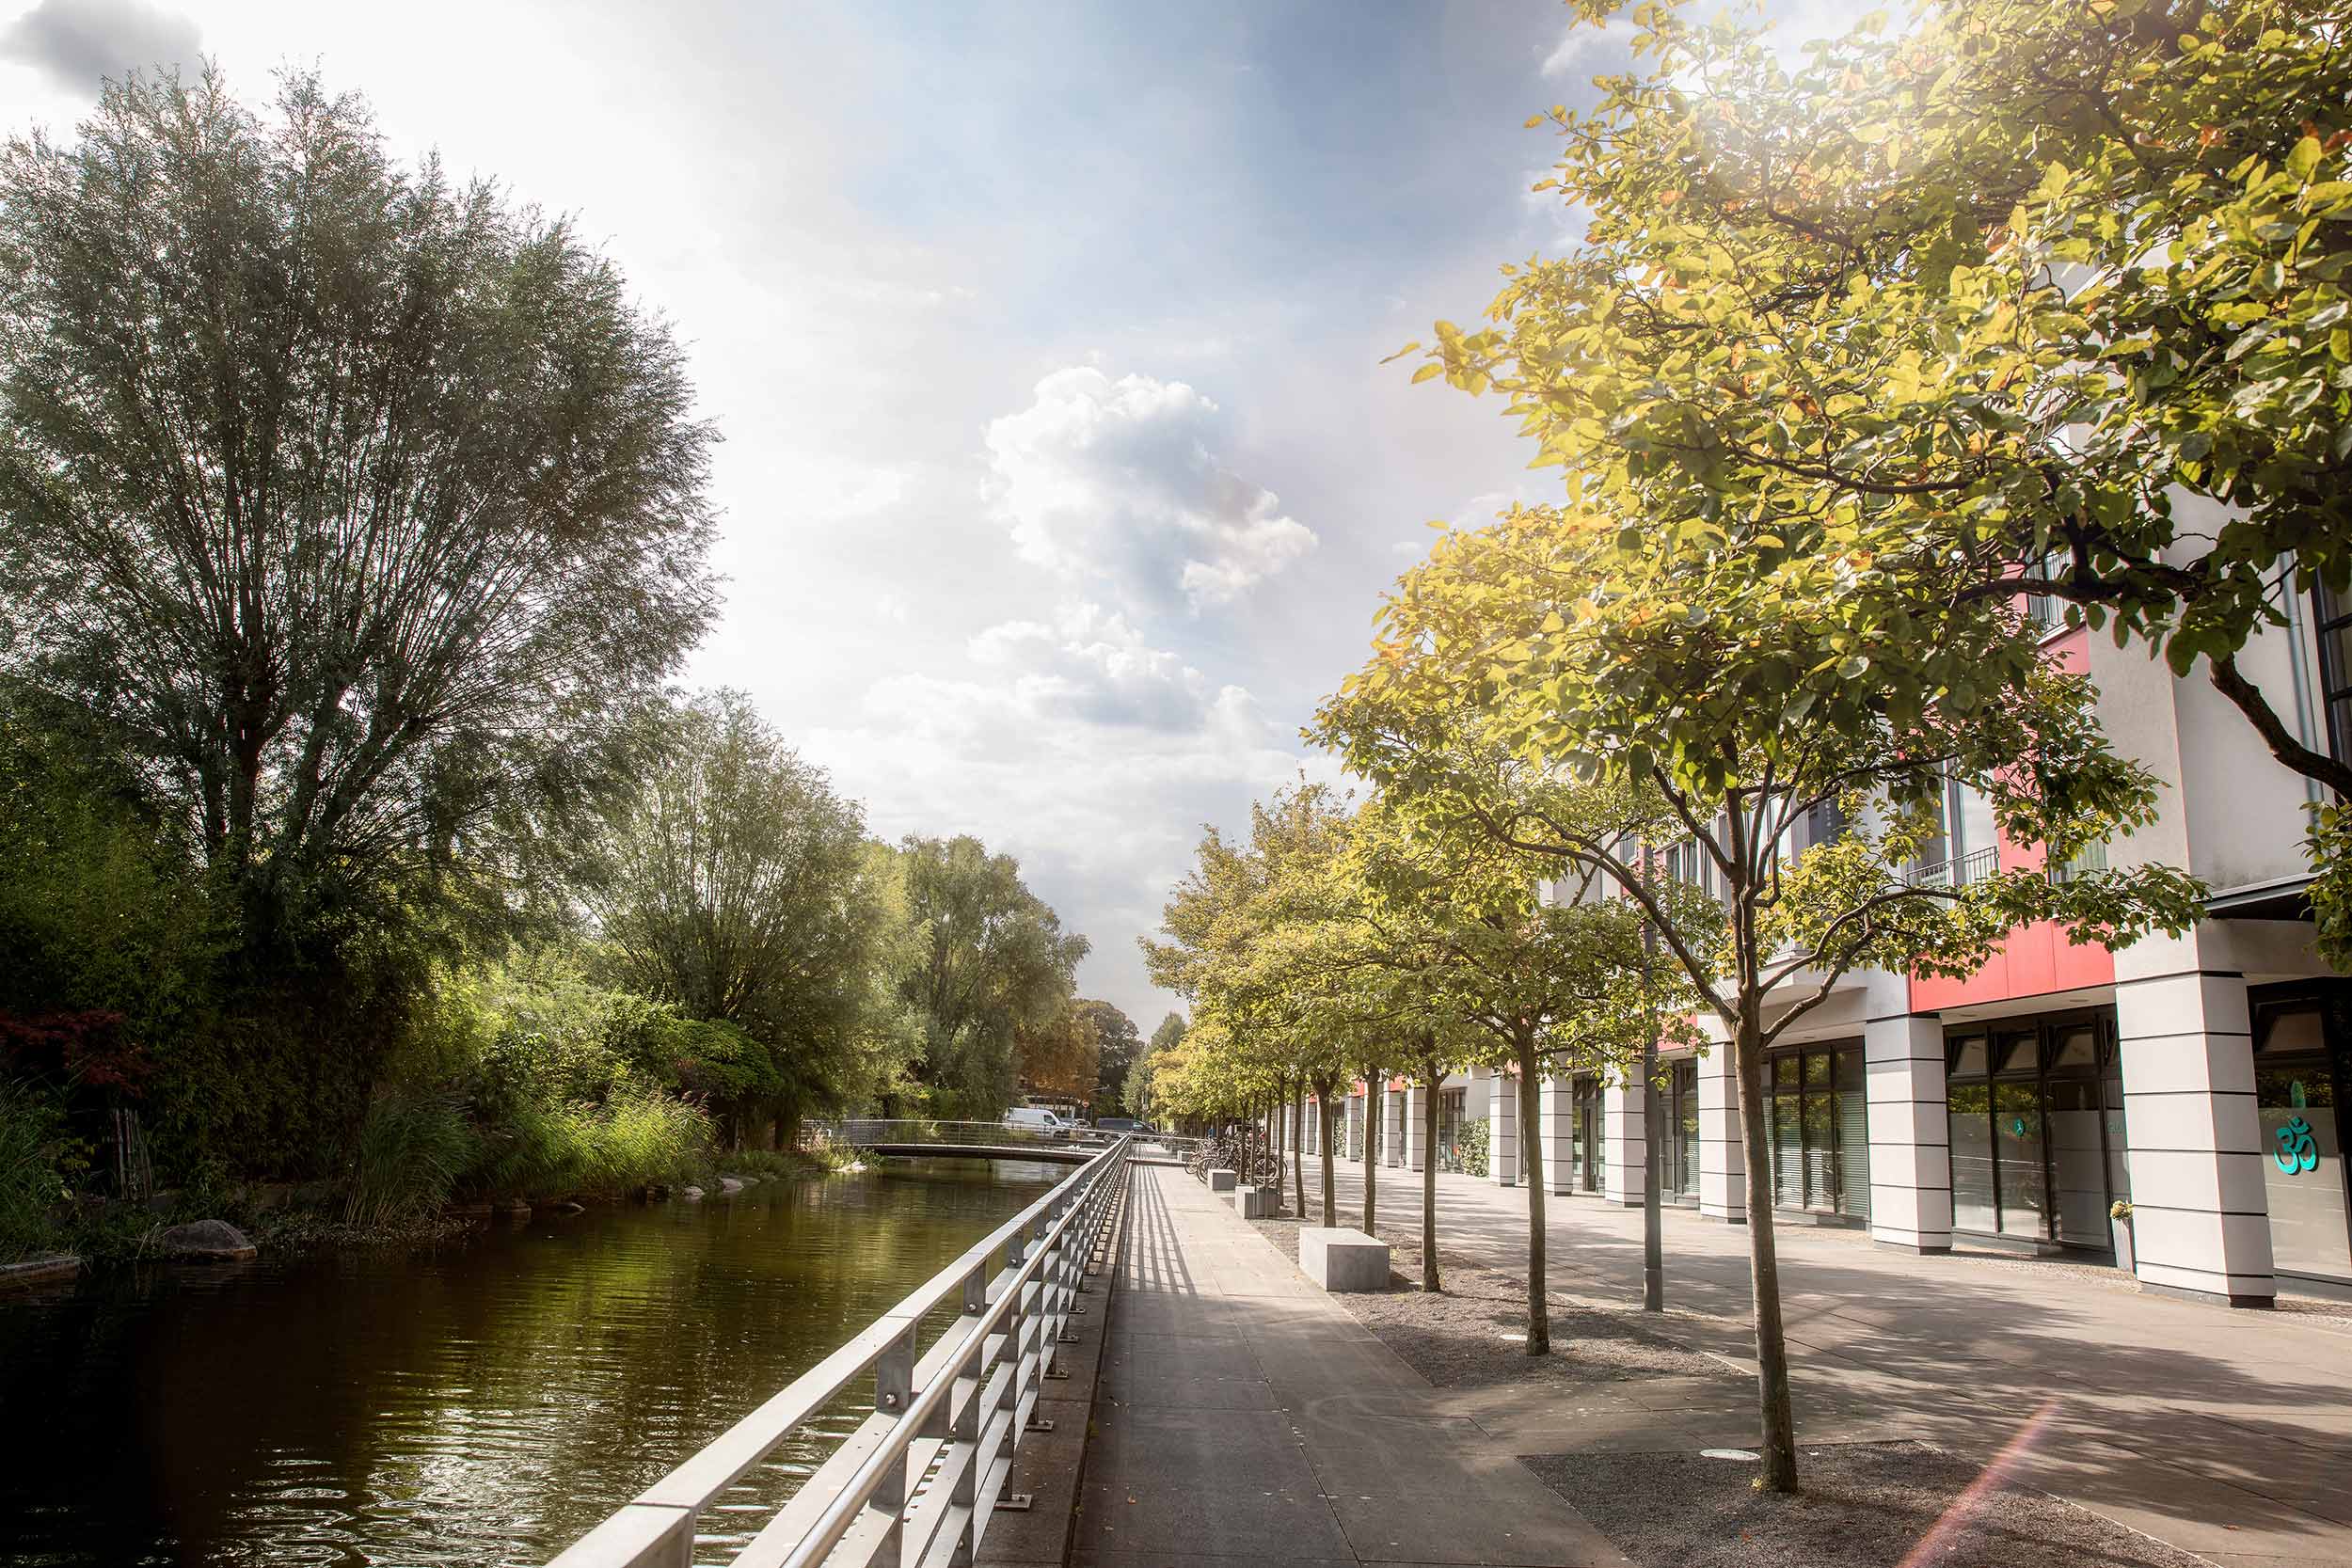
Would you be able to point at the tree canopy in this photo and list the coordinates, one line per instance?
(357, 502)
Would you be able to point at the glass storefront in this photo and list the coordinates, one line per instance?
(1819, 1122)
(1449, 1117)
(1679, 1144)
(1584, 1132)
(2037, 1128)
(2299, 1081)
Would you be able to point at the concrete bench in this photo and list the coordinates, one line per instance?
(1222, 1180)
(1338, 1258)
(1256, 1203)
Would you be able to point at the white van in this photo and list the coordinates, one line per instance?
(1032, 1118)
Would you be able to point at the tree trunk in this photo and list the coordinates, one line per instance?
(1331, 1197)
(1653, 1219)
(1375, 1113)
(1429, 1281)
(1532, 1162)
(1298, 1154)
(1779, 1444)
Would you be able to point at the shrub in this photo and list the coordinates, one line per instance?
(413, 1152)
(30, 1186)
(1476, 1141)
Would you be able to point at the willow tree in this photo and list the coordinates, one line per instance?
(740, 888)
(361, 504)
(2031, 298)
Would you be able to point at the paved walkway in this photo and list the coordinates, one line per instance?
(2227, 1433)
(1242, 1417)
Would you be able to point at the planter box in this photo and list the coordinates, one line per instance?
(1338, 1258)
(2121, 1232)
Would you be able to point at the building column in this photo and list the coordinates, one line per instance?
(2200, 1219)
(1503, 1131)
(1393, 1128)
(1416, 1132)
(1911, 1133)
(1722, 1179)
(1352, 1117)
(1623, 1171)
(1558, 1123)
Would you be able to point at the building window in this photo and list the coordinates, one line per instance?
(1584, 1132)
(1818, 1119)
(2047, 612)
(1450, 1103)
(1966, 847)
(2300, 1082)
(2036, 1110)
(2089, 858)
(1678, 1148)
(2333, 619)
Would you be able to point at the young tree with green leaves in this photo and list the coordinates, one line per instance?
(1552, 985)
(2031, 299)
(1561, 677)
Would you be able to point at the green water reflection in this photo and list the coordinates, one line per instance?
(483, 1404)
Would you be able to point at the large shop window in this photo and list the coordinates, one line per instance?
(1678, 1150)
(2037, 1129)
(1584, 1129)
(2300, 1070)
(1819, 1122)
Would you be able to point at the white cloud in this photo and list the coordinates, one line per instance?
(1092, 666)
(1582, 45)
(1091, 755)
(75, 43)
(1114, 483)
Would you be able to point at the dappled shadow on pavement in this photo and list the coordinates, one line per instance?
(2179, 1419)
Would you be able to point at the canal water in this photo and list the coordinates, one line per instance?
(482, 1404)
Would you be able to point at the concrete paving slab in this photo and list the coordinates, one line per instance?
(1230, 1483)
(1207, 1318)
(1961, 1351)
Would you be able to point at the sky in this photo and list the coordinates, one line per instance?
(1061, 478)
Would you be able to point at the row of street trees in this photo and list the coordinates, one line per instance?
(1865, 349)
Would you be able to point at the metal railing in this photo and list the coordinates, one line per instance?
(867, 1132)
(1963, 871)
(919, 1478)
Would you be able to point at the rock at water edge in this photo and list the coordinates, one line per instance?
(207, 1241)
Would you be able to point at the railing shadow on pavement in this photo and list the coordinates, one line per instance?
(919, 1477)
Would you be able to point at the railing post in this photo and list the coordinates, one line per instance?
(963, 1431)
(894, 1390)
(1055, 1288)
(1016, 1332)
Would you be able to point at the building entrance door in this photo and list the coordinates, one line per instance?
(2036, 1138)
(2299, 1079)
(1588, 1134)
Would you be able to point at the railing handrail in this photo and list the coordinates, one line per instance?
(1035, 1288)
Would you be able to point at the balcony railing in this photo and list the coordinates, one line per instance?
(1979, 865)
(919, 1478)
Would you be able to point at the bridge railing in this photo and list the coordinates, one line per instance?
(919, 1478)
(867, 1132)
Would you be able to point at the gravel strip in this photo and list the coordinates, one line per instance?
(1473, 1332)
(1865, 1505)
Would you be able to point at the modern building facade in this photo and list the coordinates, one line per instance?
(2199, 1081)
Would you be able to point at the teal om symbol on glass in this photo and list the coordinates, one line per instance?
(2298, 1150)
